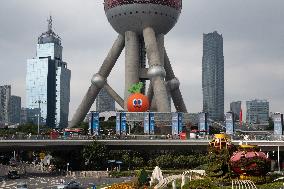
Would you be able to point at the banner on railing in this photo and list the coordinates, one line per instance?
(175, 126)
(180, 120)
(123, 123)
(94, 123)
(152, 123)
(117, 127)
(278, 123)
(203, 126)
(146, 123)
(230, 126)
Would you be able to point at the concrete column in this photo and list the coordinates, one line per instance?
(156, 70)
(114, 95)
(173, 84)
(131, 62)
(98, 82)
(160, 42)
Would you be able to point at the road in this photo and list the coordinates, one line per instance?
(51, 182)
(37, 179)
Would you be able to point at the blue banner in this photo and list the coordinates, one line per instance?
(278, 121)
(202, 126)
(230, 123)
(123, 123)
(146, 123)
(175, 125)
(90, 124)
(152, 123)
(95, 123)
(180, 120)
(117, 127)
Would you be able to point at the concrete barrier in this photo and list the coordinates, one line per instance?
(89, 174)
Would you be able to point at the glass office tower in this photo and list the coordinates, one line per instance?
(257, 111)
(5, 96)
(104, 102)
(213, 76)
(48, 81)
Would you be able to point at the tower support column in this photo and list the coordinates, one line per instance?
(173, 86)
(132, 59)
(98, 81)
(156, 70)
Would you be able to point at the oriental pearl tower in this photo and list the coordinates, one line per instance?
(141, 26)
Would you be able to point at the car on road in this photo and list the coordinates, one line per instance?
(13, 175)
(2, 179)
(70, 185)
(22, 185)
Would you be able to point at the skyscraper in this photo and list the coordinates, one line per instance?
(5, 95)
(15, 110)
(257, 111)
(213, 75)
(236, 108)
(104, 102)
(48, 81)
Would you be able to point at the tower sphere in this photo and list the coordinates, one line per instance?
(135, 15)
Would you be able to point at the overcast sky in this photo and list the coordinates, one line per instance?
(253, 32)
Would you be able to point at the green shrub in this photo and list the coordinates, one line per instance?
(142, 177)
(273, 185)
(200, 184)
(117, 174)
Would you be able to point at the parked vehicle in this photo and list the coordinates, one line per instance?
(73, 185)
(13, 175)
(22, 185)
(69, 185)
(2, 179)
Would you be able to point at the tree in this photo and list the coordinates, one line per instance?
(84, 126)
(271, 124)
(95, 156)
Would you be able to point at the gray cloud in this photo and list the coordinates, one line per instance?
(253, 45)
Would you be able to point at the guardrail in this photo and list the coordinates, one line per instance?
(138, 137)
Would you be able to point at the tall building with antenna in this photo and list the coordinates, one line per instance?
(213, 76)
(48, 81)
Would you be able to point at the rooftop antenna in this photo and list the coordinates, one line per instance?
(49, 21)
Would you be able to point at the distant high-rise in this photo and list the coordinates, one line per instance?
(257, 111)
(15, 110)
(213, 76)
(5, 95)
(104, 102)
(48, 81)
(236, 108)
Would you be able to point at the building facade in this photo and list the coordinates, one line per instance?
(15, 110)
(104, 102)
(5, 96)
(48, 81)
(257, 111)
(213, 76)
(236, 108)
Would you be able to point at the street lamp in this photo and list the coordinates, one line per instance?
(39, 102)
